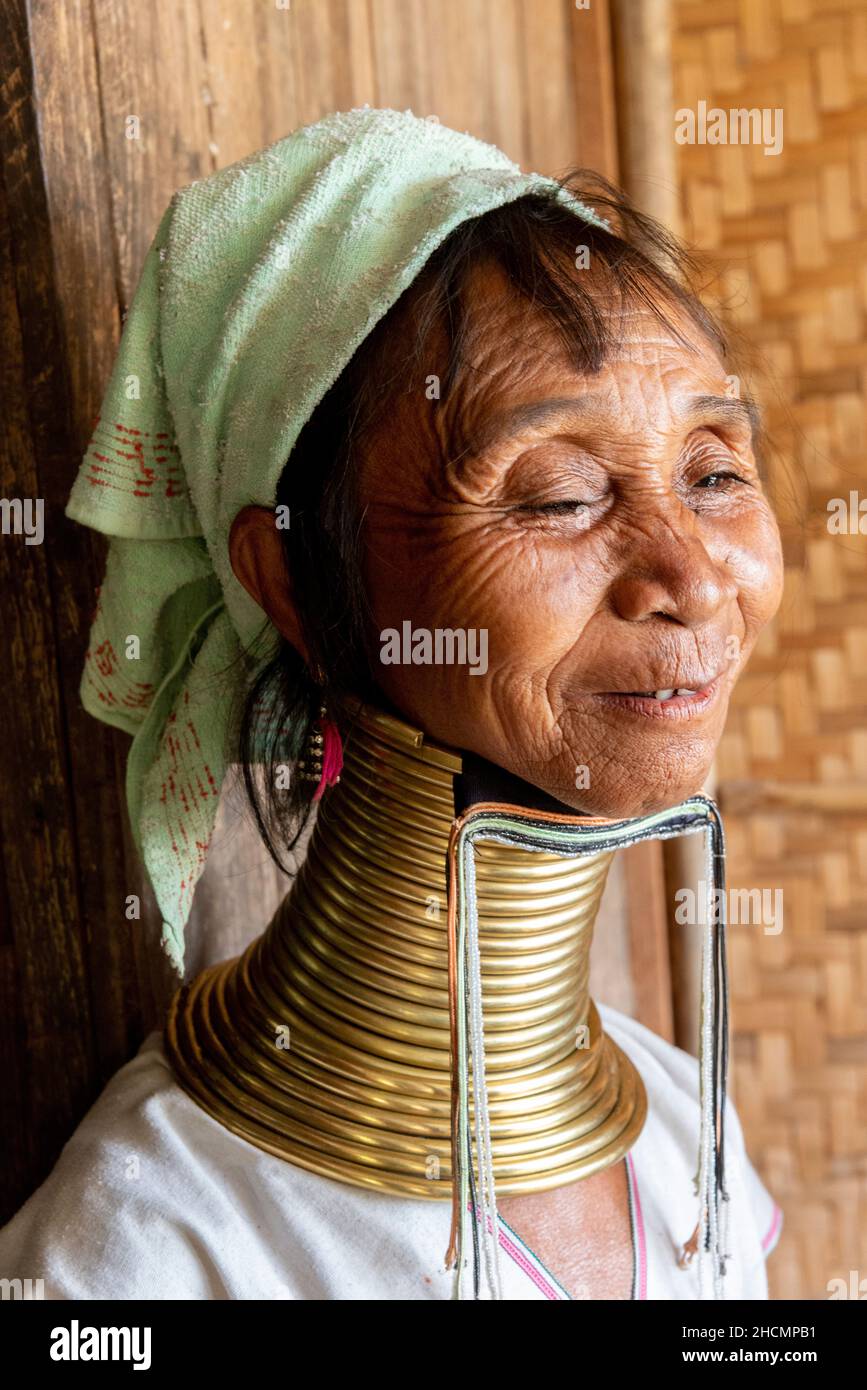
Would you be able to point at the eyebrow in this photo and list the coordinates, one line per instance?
(552, 410)
(725, 410)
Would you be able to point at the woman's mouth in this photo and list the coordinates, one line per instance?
(678, 702)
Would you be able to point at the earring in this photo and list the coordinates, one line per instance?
(322, 762)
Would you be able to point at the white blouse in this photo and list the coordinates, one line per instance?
(151, 1198)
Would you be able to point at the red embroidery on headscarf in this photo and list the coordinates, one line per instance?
(117, 459)
(139, 695)
(105, 659)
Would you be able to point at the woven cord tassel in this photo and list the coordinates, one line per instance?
(487, 1212)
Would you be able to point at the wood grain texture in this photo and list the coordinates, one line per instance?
(46, 997)
(642, 64)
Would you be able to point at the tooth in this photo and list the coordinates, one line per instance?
(663, 694)
(685, 692)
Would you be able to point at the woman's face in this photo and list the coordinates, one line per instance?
(608, 533)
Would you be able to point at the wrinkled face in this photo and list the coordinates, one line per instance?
(603, 541)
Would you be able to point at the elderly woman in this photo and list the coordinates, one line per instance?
(470, 447)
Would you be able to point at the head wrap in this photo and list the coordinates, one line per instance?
(259, 285)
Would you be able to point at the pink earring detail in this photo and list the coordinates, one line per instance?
(323, 757)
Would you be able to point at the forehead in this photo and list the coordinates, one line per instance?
(636, 326)
(515, 366)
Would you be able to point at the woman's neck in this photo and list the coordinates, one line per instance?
(327, 1042)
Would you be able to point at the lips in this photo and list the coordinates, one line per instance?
(661, 694)
(689, 683)
(667, 702)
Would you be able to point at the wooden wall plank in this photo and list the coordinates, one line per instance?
(43, 977)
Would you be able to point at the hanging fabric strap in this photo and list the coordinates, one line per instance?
(474, 1207)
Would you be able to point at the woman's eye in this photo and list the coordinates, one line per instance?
(718, 479)
(562, 507)
(569, 506)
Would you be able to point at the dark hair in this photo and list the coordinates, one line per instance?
(533, 240)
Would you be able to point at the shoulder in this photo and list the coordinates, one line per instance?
(139, 1194)
(151, 1198)
(671, 1079)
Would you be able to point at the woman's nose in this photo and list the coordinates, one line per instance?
(669, 573)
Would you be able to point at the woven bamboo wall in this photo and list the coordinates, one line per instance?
(787, 233)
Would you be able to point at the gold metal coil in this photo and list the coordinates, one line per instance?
(338, 973)
(366, 987)
(424, 983)
(327, 1042)
(250, 1014)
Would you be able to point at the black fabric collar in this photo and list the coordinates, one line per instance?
(481, 780)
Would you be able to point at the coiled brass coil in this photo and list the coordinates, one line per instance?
(327, 1042)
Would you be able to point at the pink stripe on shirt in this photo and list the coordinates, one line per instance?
(639, 1229)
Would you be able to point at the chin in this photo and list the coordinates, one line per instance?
(635, 796)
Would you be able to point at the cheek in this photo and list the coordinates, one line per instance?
(754, 556)
(533, 596)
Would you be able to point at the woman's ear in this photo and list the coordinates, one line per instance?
(256, 554)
